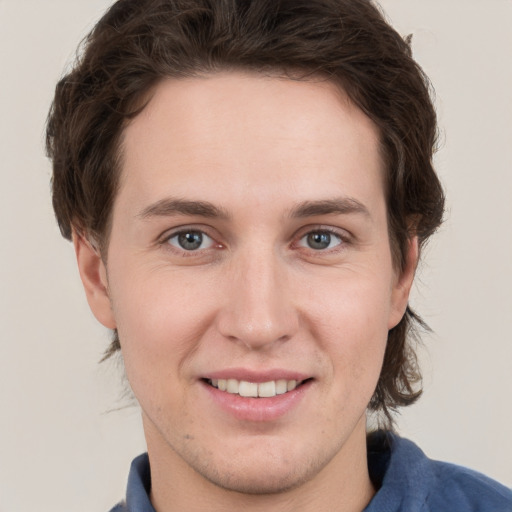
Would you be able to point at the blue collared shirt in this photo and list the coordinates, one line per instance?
(407, 481)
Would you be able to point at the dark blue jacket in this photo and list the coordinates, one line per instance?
(407, 481)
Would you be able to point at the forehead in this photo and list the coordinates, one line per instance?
(264, 136)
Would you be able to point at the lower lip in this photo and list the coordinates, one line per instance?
(257, 409)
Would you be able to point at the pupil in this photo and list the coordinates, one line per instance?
(190, 241)
(319, 240)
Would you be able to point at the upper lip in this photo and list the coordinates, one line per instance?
(256, 376)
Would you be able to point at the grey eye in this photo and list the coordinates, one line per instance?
(191, 240)
(320, 240)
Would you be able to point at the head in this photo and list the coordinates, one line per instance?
(140, 44)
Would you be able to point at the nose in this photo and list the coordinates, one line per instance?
(259, 309)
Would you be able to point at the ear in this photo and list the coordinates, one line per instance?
(94, 278)
(403, 283)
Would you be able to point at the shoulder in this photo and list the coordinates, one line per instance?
(461, 487)
(120, 507)
(139, 485)
(409, 481)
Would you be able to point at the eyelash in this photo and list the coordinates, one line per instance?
(343, 237)
(166, 242)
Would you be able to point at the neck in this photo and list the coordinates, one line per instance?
(343, 484)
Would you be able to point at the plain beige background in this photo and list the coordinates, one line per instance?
(60, 448)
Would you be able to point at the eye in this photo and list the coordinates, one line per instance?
(191, 240)
(320, 240)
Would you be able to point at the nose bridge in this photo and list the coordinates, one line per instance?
(258, 311)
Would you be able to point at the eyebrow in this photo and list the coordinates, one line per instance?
(173, 206)
(341, 205)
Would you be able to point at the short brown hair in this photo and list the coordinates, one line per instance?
(137, 43)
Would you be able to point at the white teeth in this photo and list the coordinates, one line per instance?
(253, 389)
(291, 385)
(281, 387)
(233, 386)
(248, 389)
(267, 389)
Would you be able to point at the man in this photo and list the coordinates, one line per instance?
(248, 186)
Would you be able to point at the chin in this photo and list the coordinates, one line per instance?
(259, 482)
(267, 470)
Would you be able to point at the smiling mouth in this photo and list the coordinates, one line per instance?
(255, 389)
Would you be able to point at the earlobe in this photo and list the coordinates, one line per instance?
(403, 284)
(94, 279)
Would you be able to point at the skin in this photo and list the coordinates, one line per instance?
(255, 295)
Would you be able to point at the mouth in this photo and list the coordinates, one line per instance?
(248, 389)
(257, 397)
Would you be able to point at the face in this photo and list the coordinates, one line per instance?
(249, 255)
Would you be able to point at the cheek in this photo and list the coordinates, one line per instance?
(160, 317)
(350, 316)
(353, 306)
